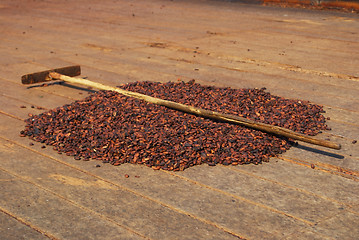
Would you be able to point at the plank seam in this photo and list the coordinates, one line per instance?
(28, 224)
(241, 199)
(308, 165)
(72, 202)
(291, 187)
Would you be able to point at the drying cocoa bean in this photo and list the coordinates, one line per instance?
(113, 128)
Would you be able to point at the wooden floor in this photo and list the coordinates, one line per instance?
(294, 53)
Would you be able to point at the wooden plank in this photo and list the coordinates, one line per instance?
(343, 229)
(241, 60)
(32, 97)
(236, 181)
(54, 215)
(321, 183)
(321, 157)
(13, 228)
(282, 51)
(341, 117)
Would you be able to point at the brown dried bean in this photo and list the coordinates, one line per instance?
(115, 129)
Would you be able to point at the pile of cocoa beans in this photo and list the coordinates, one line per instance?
(116, 129)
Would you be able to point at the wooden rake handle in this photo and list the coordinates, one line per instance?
(202, 112)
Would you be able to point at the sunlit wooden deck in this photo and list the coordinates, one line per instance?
(294, 53)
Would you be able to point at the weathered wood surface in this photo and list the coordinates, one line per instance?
(309, 55)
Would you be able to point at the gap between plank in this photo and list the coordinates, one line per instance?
(292, 187)
(321, 168)
(28, 224)
(71, 202)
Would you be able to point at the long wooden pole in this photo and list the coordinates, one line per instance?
(202, 112)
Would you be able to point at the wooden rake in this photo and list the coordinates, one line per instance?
(67, 74)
